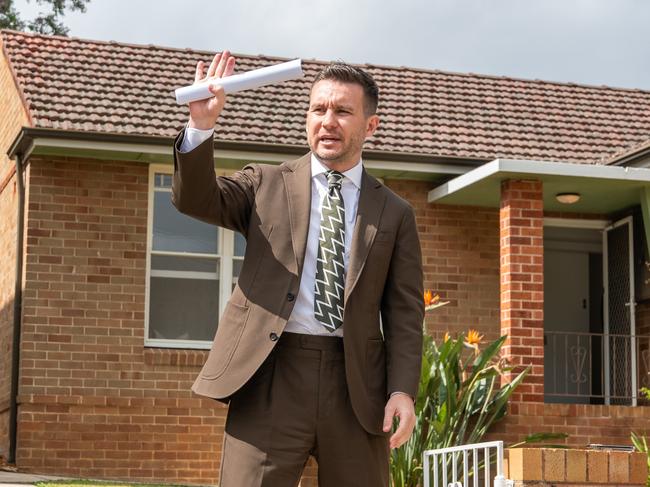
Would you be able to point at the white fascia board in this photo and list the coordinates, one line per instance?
(253, 156)
(596, 171)
(92, 145)
(463, 181)
(154, 149)
(538, 168)
(270, 157)
(415, 167)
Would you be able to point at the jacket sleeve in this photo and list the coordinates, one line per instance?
(198, 192)
(402, 310)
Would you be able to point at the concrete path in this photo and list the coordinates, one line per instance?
(16, 479)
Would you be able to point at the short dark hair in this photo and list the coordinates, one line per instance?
(346, 73)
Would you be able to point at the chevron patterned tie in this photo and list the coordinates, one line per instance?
(330, 276)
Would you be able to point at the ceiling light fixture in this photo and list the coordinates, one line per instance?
(568, 198)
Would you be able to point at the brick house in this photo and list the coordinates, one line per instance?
(116, 295)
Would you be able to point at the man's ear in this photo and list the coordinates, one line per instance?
(371, 125)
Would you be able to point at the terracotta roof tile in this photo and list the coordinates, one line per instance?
(433, 113)
(636, 149)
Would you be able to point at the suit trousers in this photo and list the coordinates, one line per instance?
(294, 406)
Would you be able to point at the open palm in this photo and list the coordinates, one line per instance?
(204, 113)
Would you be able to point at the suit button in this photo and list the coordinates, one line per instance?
(290, 297)
(273, 337)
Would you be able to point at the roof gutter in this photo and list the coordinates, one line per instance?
(162, 146)
(639, 159)
(638, 156)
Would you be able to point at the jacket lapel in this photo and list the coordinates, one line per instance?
(371, 205)
(297, 181)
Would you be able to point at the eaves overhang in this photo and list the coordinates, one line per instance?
(637, 156)
(32, 142)
(602, 189)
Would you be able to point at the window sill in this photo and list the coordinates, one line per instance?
(174, 356)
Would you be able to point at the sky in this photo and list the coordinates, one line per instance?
(596, 42)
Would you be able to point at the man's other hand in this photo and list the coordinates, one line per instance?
(204, 113)
(400, 405)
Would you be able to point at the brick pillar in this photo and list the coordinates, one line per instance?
(521, 220)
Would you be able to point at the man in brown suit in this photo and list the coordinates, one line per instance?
(319, 347)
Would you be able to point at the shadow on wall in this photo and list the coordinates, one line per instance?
(6, 339)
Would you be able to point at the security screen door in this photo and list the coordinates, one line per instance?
(620, 340)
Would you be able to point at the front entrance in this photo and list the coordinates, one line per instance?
(589, 340)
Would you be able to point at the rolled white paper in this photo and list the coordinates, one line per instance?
(245, 81)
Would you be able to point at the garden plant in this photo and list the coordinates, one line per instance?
(461, 395)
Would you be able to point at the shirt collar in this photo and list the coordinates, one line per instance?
(353, 174)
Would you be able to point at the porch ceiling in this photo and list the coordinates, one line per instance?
(602, 189)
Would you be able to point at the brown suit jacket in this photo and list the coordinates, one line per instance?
(270, 206)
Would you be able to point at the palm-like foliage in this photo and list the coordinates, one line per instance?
(459, 398)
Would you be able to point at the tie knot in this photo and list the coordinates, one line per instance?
(334, 179)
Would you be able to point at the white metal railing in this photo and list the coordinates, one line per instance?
(471, 458)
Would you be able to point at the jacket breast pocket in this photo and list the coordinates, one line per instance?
(229, 332)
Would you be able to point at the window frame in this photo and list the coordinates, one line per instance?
(226, 246)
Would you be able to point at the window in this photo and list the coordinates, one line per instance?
(192, 269)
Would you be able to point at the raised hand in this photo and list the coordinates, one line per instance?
(204, 113)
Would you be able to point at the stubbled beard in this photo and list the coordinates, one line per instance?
(329, 157)
(326, 155)
(338, 156)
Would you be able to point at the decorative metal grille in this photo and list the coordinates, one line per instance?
(578, 366)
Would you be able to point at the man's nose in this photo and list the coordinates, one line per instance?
(329, 119)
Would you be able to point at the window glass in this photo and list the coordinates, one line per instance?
(163, 180)
(240, 244)
(186, 289)
(183, 309)
(173, 231)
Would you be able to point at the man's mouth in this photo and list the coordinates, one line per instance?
(329, 139)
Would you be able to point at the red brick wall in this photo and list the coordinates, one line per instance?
(460, 251)
(93, 401)
(584, 423)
